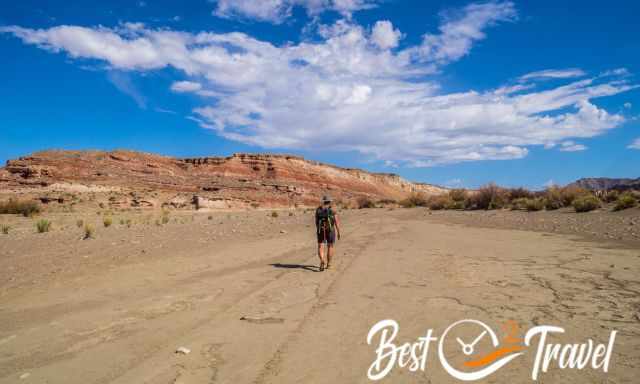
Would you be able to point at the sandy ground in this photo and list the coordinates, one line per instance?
(242, 293)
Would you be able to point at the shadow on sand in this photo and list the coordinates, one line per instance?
(311, 268)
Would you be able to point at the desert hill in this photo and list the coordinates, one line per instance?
(134, 179)
(606, 183)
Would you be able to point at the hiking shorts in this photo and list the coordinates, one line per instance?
(327, 236)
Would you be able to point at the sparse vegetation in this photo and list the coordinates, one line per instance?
(439, 202)
(611, 196)
(89, 232)
(165, 217)
(43, 225)
(107, 221)
(415, 200)
(625, 201)
(489, 196)
(210, 217)
(585, 203)
(274, 214)
(365, 202)
(534, 204)
(79, 223)
(15, 207)
(4, 228)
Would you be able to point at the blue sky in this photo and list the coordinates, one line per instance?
(454, 93)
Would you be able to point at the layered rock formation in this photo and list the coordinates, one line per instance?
(237, 181)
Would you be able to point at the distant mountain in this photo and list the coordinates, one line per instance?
(603, 183)
(237, 181)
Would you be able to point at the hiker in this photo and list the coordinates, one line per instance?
(327, 227)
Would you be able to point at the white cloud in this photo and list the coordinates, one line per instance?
(461, 29)
(635, 144)
(553, 74)
(627, 105)
(345, 93)
(276, 11)
(384, 35)
(185, 86)
(122, 81)
(570, 146)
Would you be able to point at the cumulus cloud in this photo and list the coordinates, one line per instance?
(276, 11)
(354, 90)
(553, 74)
(635, 144)
(384, 35)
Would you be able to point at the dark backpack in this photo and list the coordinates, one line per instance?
(325, 218)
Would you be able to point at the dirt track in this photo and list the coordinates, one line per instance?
(247, 301)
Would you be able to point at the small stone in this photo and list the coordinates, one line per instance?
(24, 375)
(283, 231)
(183, 351)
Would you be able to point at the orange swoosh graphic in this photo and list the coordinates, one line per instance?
(492, 356)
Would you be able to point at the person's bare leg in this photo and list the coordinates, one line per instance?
(329, 254)
(321, 253)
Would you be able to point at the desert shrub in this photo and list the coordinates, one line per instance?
(43, 226)
(456, 204)
(569, 194)
(611, 196)
(415, 200)
(535, 204)
(5, 229)
(439, 202)
(387, 202)
(210, 217)
(89, 232)
(520, 193)
(290, 213)
(625, 201)
(519, 204)
(585, 203)
(365, 202)
(15, 207)
(255, 205)
(489, 196)
(107, 221)
(128, 223)
(274, 214)
(165, 217)
(458, 194)
(79, 223)
(553, 198)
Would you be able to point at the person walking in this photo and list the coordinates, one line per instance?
(327, 228)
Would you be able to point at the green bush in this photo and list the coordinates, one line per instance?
(107, 221)
(519, 204)
(458, 195)
(14, 207)
(415, 200)
(625, 201)
(89, 232)
(553, 198)
(43, 225)
(586, 203)
(533, 205)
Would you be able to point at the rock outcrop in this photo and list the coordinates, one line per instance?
(238, 181)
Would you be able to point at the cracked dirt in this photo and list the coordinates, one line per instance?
(252, 307)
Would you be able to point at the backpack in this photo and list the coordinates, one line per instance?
(325, 219)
